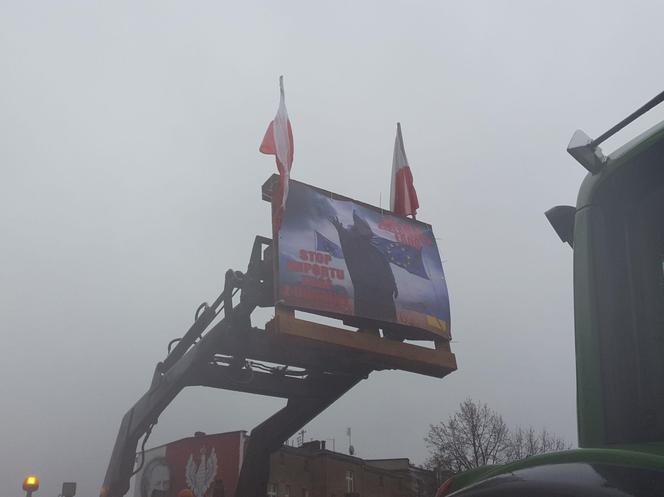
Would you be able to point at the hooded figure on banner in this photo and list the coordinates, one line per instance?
(369, 269)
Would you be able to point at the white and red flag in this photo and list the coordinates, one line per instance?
(403, 198)
(278, 141)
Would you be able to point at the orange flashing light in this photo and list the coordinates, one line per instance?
(31, 483)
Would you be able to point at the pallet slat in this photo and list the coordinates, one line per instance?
(366, 349)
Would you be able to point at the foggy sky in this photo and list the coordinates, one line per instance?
(130, 181)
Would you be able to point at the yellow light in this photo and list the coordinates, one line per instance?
(31, 483)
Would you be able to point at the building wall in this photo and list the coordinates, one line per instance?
(308, 471)
(293, 469)
(312, 471)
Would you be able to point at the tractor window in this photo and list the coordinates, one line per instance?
(630, 258)
(646, 257)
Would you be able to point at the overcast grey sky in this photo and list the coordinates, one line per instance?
(130, 181)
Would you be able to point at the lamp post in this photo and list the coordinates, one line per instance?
(30, 485)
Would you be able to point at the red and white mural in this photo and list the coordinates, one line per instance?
(201, 466)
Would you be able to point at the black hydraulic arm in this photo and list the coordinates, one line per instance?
(193, 362)
(274, 431)
(181, 365)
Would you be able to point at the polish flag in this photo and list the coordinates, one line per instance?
(403, 198)
(278, 141)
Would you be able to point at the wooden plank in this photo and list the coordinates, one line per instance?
(365, 348)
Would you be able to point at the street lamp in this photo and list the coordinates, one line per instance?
(30, 484)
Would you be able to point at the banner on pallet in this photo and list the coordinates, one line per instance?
(347, 259)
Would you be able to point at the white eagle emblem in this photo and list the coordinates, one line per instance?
(199, 478)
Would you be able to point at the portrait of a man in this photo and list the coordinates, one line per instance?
(156, 478)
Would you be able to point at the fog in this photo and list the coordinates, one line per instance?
(130, 181)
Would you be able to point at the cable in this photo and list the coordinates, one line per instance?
(204, 306)
(197, 315)
(170, 344)
(145, 439)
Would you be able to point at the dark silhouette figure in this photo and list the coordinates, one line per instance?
(373, 281)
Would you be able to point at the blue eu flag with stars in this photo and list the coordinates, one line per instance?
(404, 256)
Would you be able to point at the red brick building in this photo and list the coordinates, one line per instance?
(314, 471)
(307, 471)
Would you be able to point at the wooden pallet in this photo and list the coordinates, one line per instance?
(341, 349)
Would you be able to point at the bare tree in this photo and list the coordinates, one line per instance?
(474, 436)
(524, 443)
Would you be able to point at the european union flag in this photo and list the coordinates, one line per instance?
(404, 256)
(324, 244)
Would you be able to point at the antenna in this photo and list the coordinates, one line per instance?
(633, 116)
(334, 448)
(351, 449)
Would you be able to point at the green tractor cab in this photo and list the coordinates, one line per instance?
(617, 233)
